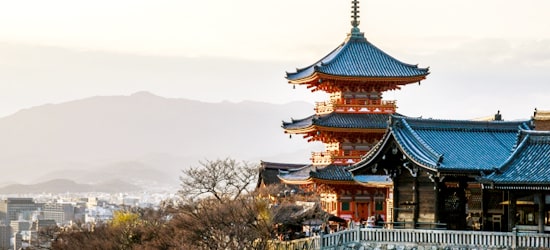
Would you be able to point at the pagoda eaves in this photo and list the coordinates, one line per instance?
(357, 61)
(336, 121)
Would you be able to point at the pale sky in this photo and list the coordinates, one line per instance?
(483, 55)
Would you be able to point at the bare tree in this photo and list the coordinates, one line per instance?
(219, 212)
(232, 224)
(224, 180)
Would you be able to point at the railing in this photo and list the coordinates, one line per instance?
(324, 158)
(321, 158)
(354, 107)
(311, 243)
(451, 238)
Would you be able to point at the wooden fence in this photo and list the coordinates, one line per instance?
(474, 239)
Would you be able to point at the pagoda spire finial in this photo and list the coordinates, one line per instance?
(355, 32)
(355, 12)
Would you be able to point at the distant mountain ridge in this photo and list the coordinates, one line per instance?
(141, 138)
(64, 186)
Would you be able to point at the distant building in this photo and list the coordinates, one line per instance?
(130, 201)
(38, 224)
(5, 236)
(79, 212)
(13, 208)
(17, 241)
(92, 201)
(62, 213)
(97, 214)
(20, 225)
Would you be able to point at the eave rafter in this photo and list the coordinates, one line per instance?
(331, 134)
(333, 182)
(297, 182)
(330, 83)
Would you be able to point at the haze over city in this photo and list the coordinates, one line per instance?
(483, 56)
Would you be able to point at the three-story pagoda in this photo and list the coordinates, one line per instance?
(355, 75)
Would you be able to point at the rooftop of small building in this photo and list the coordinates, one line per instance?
(269, 171)
(297, 175)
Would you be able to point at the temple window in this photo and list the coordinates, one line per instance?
(345, 206)
(379, 206)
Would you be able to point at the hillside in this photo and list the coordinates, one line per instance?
(142, 138)
(63, 186)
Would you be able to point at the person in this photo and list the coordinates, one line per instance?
(370, 222)
(379, 220)
(469, 222)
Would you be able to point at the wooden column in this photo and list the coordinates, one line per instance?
(463, 185)
(542, 202)
(484, 202)
(512, 210)
(436, 200)
(416, 201)
(395, 211)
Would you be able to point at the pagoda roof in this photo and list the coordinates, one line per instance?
(357, 57)
(340, 120)
(529, 165)
(448, 145)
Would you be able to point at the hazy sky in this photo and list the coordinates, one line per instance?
(484, 55)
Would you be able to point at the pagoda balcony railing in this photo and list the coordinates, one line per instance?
(324, 158)
(355, 106)
(346, 160)
(321, 158)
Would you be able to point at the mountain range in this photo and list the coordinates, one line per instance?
(64, 185)
(142, 139)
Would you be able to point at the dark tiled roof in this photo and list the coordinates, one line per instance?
(280, 166)
(269, 171)
(332, 173)
(450, 145)
(341, 120)
(356, 57)
(456, 145)
(530, 163)
(295, 174)
(373, 179)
